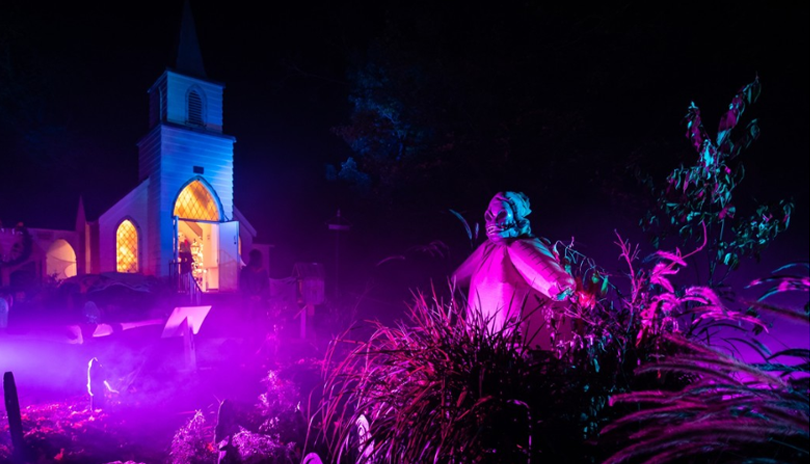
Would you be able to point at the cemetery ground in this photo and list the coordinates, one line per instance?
(156, 393)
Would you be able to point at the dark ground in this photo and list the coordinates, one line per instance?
(157, 394)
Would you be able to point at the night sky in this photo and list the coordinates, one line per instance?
(76, 77)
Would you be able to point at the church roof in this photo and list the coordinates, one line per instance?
(188, 58)
(243, 222)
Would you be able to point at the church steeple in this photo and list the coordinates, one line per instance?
(188, 59)
(184, 95)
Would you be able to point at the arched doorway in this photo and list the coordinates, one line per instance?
(206, 245)
(60, 260)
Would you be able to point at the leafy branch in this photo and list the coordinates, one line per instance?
(703, 193)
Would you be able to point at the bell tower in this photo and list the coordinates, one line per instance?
(185, 144)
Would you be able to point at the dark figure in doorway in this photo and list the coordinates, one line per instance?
(254, 282)
(185, 257)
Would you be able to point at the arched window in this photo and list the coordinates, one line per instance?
(195, 108)
(126, 247)
(196, 202)
(60, 260)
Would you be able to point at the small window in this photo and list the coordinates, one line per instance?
(195, 108)
(126, 247)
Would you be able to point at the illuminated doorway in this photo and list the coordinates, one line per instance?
(206, 247)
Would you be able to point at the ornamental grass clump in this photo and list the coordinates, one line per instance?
(440, 389)
(733, 410)
(445, 387)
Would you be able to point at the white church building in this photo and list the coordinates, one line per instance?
(183, 202)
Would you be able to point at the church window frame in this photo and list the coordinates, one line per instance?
(127, 237)
(197, 212)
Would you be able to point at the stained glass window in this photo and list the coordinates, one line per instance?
(126, 246)
(196, 202)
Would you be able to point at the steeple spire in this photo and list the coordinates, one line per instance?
(188, 59)
(81, 217)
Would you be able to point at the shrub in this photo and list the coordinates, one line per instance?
(280, 409)
(255, 448)
(193, 444)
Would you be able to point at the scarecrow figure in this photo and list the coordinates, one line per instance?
(516, 275)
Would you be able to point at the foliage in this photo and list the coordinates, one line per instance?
(193, 443)
(725, 409)
(272, 430)
(70, 432)
(439, 390)
(734, 411)
(783, 283)
(255, 448)
(444, 387)
(280, 409)
(662, 308)
(21, 247)
(382, 131)
(702, 194)
(431, 388)
(629, 327)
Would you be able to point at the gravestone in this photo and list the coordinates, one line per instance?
(312, 458)
(185, 321)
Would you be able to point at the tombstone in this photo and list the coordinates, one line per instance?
(312, 458)
(185, 322)
(12, 402)
(365, 448)
(92, 315)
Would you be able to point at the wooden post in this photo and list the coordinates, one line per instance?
(189, 350)
(12, 402)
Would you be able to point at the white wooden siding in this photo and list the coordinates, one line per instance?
(134, 207)
(149, 154)
(211, 93)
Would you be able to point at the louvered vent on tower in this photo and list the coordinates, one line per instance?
(195, 109)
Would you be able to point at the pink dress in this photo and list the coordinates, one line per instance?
(516, 277)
